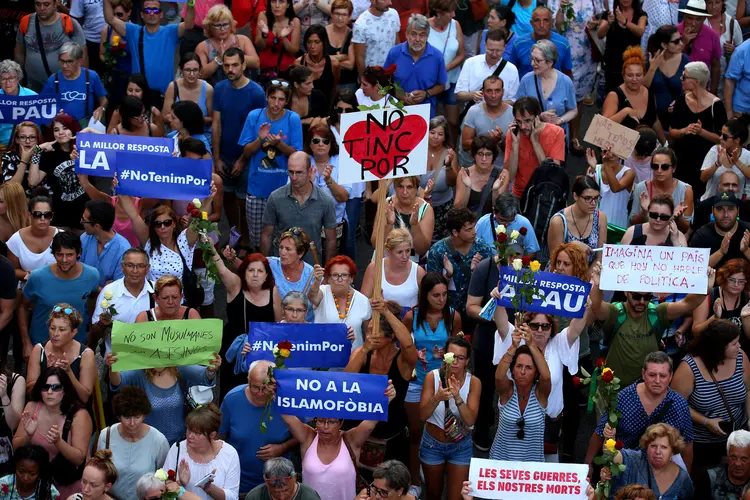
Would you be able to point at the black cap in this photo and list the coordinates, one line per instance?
(726, 199)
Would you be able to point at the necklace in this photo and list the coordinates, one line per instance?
(575, 223)
(349, 296)
(289, 278)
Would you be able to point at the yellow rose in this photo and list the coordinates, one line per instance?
(108, 295)
(115, 40)
(285, 353)
(534, 266)
(161, 475)
(204, 216)
(610, 445)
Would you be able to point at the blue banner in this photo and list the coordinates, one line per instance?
(40, 109)
(356, 396)
(558, 294)
(165, 177)
(97, 153)
(313, 345)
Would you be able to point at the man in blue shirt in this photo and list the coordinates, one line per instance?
(234, 99)
(80, 89)
(102, 247)
(737, 81)
(420, 68)
(159, 42)
(505, 212)
(518, 50)
(65, 281)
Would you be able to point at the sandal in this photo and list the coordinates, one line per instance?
(576, 148)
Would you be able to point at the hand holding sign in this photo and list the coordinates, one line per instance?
(613, 136)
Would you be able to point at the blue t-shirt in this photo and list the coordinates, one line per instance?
(6, 129)
(739, 71)
(522, 25)
(264, 177)
(240, 427)
(234, 106)
(425, 338)
(518, 52)
(425, 73)
(561, 100)
(45, 290)
(74, 94)
(108, 262)
(487, 233)
(158, 53)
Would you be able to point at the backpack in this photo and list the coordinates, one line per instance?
(67, 23)
(622, 315)
(544, 196)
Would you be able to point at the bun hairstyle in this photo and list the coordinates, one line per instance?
(102, 460)
(633, 55)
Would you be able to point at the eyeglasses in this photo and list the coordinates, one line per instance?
(648, 297)
(340, 277)
(727, 137)
(52, 387)
(293, 173)
(544, 327)
(256, 388)
(26, 138)
(485, 154)
(66, 62)
(191, 70)
(163, 223)
(222, 26)
(152, 10)
(538, 61)
(340, 110)
(67, 310)
(685, 76)
(663, 166)
(460, 358)
(589, 199)
(318, 140)
(294, 310)
(325, 422)
(658, 216)
(9, 79)
(42, 215)
(520, 423)
(735, 281)
(278, 482)
(282, 83)
(131, 266)
(84, 221)
(378, 492)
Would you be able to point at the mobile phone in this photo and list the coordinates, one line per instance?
(725, 426)
(206, 479)
(514, 129)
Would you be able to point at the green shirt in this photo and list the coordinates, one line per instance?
(635, 339)
(304, 492)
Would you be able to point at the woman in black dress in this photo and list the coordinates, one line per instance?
(324, 67)
(308, 102)
(623, 27)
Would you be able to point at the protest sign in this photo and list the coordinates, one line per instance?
(318, 345)
(527, 480)
(356, 396)
(641, 268)
(158, 344)
(558, 294)
(40, 109)
(165, 177)
(97, 153)
(607, 134)
(383, 144)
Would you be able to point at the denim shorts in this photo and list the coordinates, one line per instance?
(434, 452)
(448, 96)
(414, 394)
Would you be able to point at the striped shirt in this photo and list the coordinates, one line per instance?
(706, 399)
(506, 445)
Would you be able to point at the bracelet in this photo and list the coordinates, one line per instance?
(705, 419)
(191, 3)
(182, 491)
(434, 402)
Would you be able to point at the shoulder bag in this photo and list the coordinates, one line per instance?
(726, 406)
(191, 285)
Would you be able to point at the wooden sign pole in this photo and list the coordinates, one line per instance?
(380, 221)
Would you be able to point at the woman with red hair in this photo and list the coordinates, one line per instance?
(251, 296)
(338, 301)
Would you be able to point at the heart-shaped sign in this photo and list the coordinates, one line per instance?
(381, 146)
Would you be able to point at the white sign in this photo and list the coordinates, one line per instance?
(642, 268)
(383, 144)
(527, 480)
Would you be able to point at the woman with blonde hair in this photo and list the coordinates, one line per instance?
(13, 210)
(220, 29)
(98, 477)
(290, 272)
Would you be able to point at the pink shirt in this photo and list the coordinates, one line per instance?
(125, 227)
(706, 45)
(334, 481)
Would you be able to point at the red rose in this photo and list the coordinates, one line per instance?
(502, 237)
(285, 344)
(599, 363)
(390, 70)
(619, 445)
(608, 376)
(195, 213)
(523, 231)
(171, 475)
(190, 207)
(576, 382)
(526, 260)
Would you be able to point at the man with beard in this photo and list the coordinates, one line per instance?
(727, 482)
(491, 118)
(234, 99)
(728, 181)
(420, 68)
(67, 280)
(727, 237)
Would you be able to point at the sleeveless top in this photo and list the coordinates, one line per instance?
(6, 436)
(706, 399)
(425, 338)
(284, 286)
(334, 481)
(269, 57)
(151, 314)
(592, 240)
(442, 193)
(614, 205)
(345, 75)
(396, 410)
(405, 294)
(75, 365)
(733, 315)
(447, 43)
(325, 82)
(201, 98)
(506, 445)
(640, 239)
(648, 119)
(212, 54)
(438, 416)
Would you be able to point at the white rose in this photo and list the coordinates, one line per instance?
(108, 295)
(514, 235)
(517, 264)
(104, 303)
(197, 203)
(500, 229)
(449, 358)
(161, 475)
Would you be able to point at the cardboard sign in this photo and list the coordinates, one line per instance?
(40, 109)
(656, 269)
(527, 480)
(607, 134)
(165, 177)
(158, 344)
(383, 144)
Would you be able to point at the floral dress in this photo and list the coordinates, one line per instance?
(660, 13)
(584, 67)
(8, 490)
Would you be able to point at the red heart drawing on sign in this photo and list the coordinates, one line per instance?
(379, 147)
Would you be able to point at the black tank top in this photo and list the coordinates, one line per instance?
(325, 82)
(239, 312)
(396, 410)
(640, 239)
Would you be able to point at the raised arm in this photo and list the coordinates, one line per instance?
(139, 225)
(117, 24)
(315, 295)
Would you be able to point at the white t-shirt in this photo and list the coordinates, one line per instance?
(559, 353)
(363, 100)
(92, 12)
(378, 33)
(475, 70)
(226, 463)
(29, 260)
(713, 182)
(359, 311)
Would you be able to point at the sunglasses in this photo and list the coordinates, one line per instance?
(163, 223)
(658, 216)
(152, 10)
(52, 387)
(340, 110)
(67, 310)
(663, 166)
(520, 423)
(283, 83)
(42, 215)
(318, 140)
(544, 327)
(278, 482)
(727, 137)
(642, 296)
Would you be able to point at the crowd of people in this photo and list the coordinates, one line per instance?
(260, 88)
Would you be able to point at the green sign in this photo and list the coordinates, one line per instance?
(159, 344)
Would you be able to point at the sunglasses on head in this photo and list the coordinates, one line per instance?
(663, 166)
(520, 423)
(163, 223)
(42, 215)
(340, 110)
(67, 310)
(655, 216)
(278, 482)
(52, 387)
(642, 296)
(280, 82)
(318, 140)
(152, 10)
